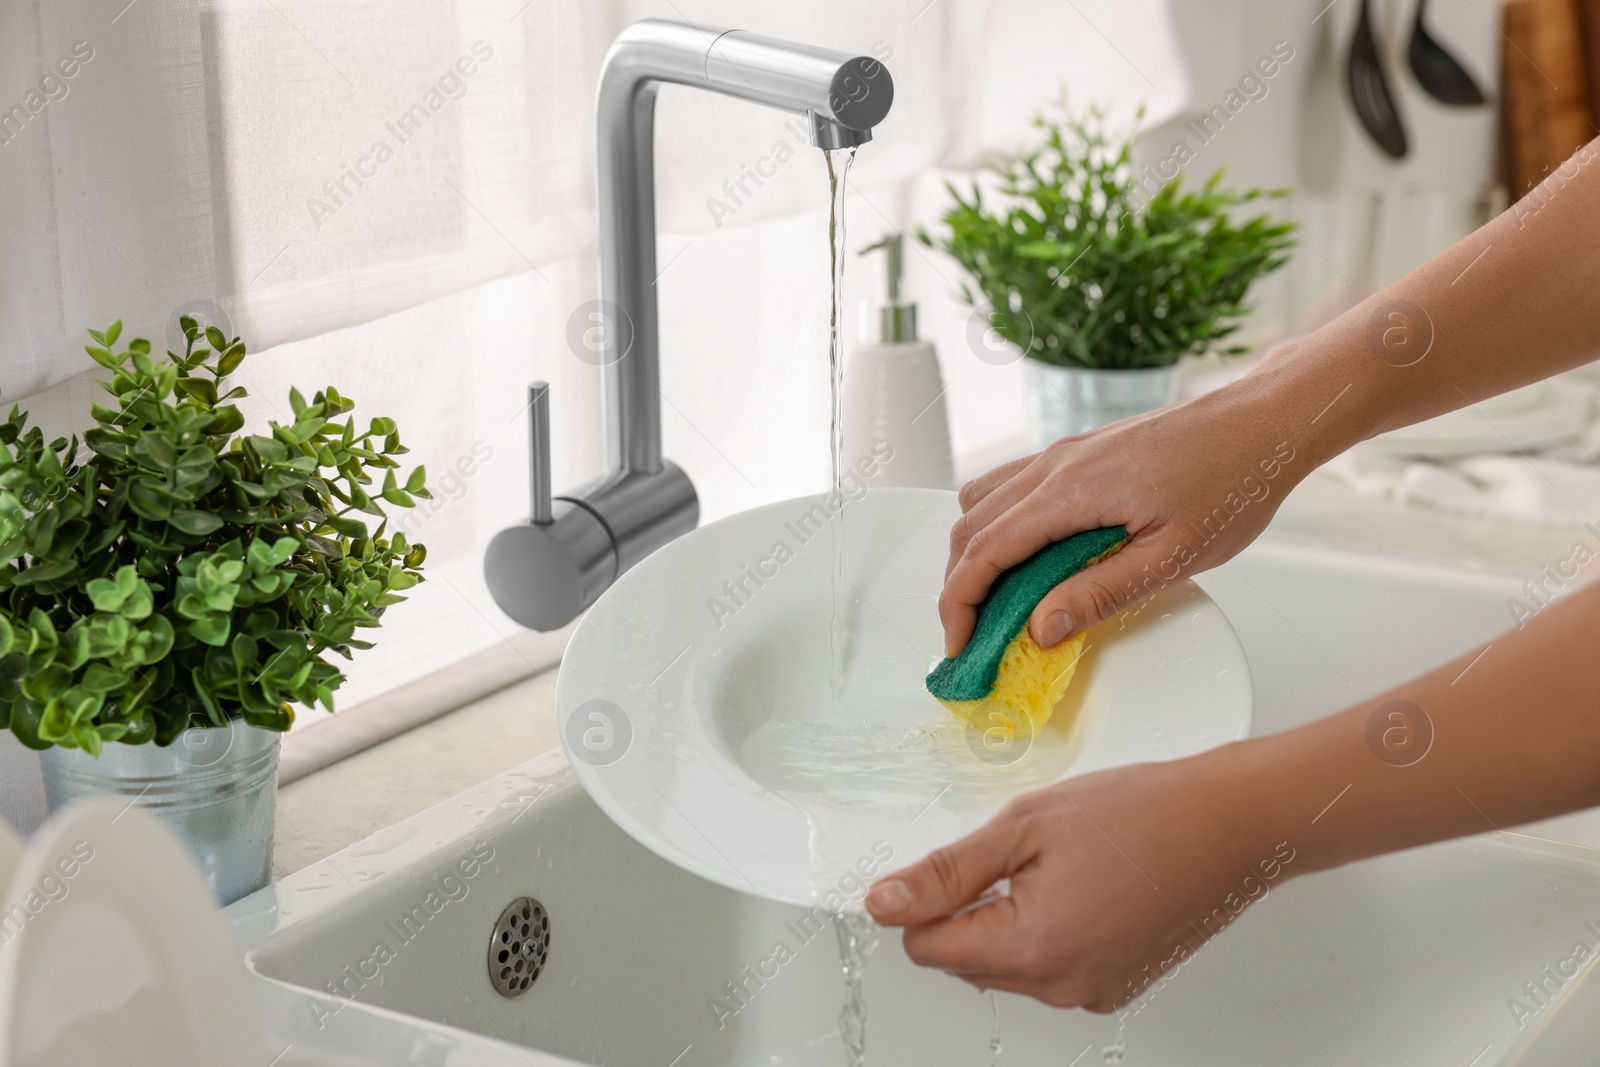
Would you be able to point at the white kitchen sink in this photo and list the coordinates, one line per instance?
(1408, 959)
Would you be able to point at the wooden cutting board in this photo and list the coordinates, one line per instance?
(1546, 87)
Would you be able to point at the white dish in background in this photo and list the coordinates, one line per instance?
(694, 698)
(1533, 417)
(124, 957)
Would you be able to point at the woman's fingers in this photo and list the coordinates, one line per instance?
(986, 982)
(1096, 593)
(949, 878)
(997, 499)
(1084, 924)
(1057, 994)
(988, 482)
(981, 941)
(1011, 538)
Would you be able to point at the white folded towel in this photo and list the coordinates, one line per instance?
(1554, 486)
(1539, 490)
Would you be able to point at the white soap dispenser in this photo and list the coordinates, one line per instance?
(895, 426)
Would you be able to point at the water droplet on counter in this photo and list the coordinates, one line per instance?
(382, 842)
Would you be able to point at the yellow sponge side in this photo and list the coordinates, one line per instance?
(1030, 682)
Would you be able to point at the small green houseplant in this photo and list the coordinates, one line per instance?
(1082, 264)
(179, 572)
(177, 577)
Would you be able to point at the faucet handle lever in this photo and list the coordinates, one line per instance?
(539, 453)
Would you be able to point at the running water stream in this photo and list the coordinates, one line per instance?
(838, 160)
(858, 936)
(995, 1046)
(1118, 1048)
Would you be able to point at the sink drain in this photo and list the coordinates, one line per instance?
(519, 947)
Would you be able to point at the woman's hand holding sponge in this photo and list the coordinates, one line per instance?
(1003, 680)
(1188, 497)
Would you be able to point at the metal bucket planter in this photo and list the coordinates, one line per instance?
(216, 787)
(1068, 400)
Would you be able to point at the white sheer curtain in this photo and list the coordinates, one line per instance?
(310, 166)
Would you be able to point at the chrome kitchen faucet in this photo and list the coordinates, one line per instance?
(545, 571)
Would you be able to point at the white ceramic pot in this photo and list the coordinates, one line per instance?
(1063, 401)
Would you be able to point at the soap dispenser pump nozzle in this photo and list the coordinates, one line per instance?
(890, 321)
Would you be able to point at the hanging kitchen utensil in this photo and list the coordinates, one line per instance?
(1439, 73)
(1369, 89)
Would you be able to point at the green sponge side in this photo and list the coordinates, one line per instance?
(1004, 612)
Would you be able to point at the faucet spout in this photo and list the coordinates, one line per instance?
(825, 133)
(543, 574)
(842, 97)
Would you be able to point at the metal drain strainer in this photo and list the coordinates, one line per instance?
(519, 947)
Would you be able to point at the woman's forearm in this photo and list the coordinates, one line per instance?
(1514, 302)
(1515, 737)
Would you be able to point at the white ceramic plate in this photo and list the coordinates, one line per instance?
(118, 954)
(696, 705)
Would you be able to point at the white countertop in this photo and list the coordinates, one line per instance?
(339, 805)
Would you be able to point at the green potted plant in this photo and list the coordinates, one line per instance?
(1100, 280)
(170, 590)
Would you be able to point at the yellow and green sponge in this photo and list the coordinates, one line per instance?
(1003, 680)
